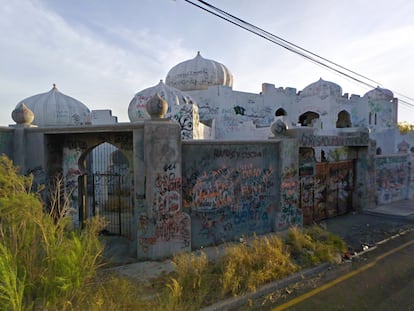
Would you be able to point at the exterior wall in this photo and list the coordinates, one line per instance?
(163, 229)
(392, 178)
(198, 193)
(9, 144)
(242, 115)
(231, 189)
(289, 213)
(186, 115)
(37, 163)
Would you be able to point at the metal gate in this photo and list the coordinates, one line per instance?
(105, 195)
(328, 193)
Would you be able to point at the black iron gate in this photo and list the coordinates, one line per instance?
(107, 196)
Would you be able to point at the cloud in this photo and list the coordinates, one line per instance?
(42, 48)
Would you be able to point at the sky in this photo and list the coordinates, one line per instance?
(102, 52)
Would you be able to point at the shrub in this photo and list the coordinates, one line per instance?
(191, 282)
(313, 245)
(50, 265)
(246, 266)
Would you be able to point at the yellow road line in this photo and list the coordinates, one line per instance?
(340, 279)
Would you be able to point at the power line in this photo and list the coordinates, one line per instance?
(308, 55)
(286, 41)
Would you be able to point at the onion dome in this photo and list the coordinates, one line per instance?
(137, 110)
(56, 109)
(199, 74)
(379, 94)
(322, 89)
(22, 115)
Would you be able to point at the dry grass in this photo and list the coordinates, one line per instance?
(244, 267)
(249, 265)
(44, 265)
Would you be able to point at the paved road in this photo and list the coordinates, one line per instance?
(384, 280)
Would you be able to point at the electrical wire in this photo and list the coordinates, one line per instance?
(294, 48)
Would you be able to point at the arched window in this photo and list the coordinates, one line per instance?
(307, 118)
(280, 112)
(344, 119)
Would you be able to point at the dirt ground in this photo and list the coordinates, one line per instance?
(358, 230)
(362, 230)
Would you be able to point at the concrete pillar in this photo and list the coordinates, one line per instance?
(163, 229)
(365, 181)
(289, 213)
(19, 148)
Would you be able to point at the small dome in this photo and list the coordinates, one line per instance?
(56, 109)
(137, 110)
(379, 94)
(198, 74)
(322, 89)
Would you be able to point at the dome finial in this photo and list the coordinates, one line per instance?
(22, 115)
(157, 106)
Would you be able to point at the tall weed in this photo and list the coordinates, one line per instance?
(313, 245)
(51, 264)
(246, 266)
(191, 282)
(11, 283)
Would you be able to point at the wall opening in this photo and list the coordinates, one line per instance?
(106, 189)
(280, 112)
(308, 118)
(344, 119)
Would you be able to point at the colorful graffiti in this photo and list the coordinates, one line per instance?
(229, 191)
(163, 228)
(289, 213)
(392, 178)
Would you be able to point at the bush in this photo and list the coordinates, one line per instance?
(191, 281)
(43, 264)
(246, 266)
(313, 245)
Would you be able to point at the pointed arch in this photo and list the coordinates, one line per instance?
(280, 112)
(307, 118)
(344, 119)
(108, 188)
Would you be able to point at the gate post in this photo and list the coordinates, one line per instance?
(163, 229)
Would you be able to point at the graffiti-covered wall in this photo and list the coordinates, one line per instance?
(230, 189)
(392, 178)
(289, 213)
(163, 228)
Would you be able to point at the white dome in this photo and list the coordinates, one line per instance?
(56, 109)
(322, 89)
(379, 94)
(137, 110)
(198, 74)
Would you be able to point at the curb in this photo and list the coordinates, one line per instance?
(266, 289)
(375, 246)
(233, 303)
(406, 218)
